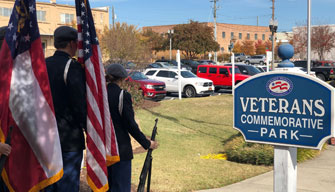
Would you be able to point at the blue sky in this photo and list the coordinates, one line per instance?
(289, 13)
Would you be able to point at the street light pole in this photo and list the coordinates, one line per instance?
(273, 28)
(170, 32)
(308, 36)
(273, 49)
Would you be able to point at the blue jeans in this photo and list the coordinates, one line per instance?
(71, 177)
(119, 177)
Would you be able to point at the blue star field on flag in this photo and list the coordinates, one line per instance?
(89, 36)
(22, 28)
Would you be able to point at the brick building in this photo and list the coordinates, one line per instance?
(226, 32)
(52, 15)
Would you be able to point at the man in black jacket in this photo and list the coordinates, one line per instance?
(68, 89)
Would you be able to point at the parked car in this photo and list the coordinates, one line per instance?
(207, 62)
(221, 75)
(325, 73)
(240, 57)
(256, 59)
(246, 69)
(151, 88)
(193, 64)
(295, 69)
(173, 63)
(159, 65)
(130, 65)
(191, 85)
(262, 68)
(324, 63)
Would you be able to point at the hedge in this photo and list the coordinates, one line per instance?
(238, 150)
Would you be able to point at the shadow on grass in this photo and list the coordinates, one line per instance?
(175, 120)
(200, 121)
(162, 116)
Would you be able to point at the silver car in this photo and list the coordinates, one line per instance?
(256, 59)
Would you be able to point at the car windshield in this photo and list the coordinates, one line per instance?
(187, 74)
(195, 62)
(138, 76)
(253, 70)
(237, 70)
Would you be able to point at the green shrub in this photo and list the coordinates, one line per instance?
(251, 153)
(238, 150)
(225, 57)
(136, 93)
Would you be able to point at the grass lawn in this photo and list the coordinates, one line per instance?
(188, 129)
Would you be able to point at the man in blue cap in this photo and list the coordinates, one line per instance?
(68, 89)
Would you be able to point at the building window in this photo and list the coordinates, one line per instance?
(66, 18)
(223, 35)
(232, 35)
(263, 37)
(256, 36)
(44, 46)
(240, 35)
(41, 15)
(248, 36)
(101, 18)
(6, 12)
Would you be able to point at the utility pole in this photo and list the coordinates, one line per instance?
(308, 36)
(113, 17)
(215, 37)
(273, 37)
(257, 21)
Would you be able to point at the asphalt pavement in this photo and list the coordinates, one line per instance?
(173, 96)
(316, 175)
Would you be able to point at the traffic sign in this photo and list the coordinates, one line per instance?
(285, 108)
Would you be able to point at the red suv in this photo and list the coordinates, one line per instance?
(151, 88)
(221, 75)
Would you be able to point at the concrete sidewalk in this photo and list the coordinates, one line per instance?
(317, 175)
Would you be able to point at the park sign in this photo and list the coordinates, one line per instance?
(285, 108)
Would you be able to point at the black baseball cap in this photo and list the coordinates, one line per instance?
(116, 70)
(65, 33)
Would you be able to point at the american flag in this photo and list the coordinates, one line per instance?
(279, 85)
(26, 104)
(101, 139)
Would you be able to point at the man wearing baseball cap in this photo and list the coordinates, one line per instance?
(68, 89)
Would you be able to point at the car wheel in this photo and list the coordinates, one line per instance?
(261, 63)
(189, 91)
(247, 62)
(321, 76)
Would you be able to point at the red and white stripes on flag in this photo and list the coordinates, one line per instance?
(101, 139)
(26, 104)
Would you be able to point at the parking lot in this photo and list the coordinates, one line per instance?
(220, 92)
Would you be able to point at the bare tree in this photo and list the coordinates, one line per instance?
(300, 41)
(323, 40)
